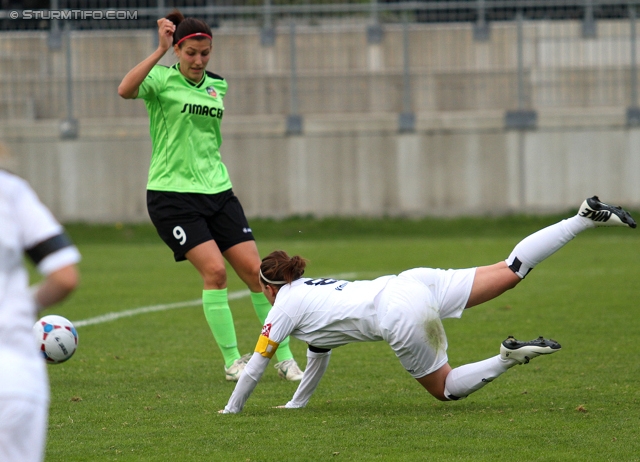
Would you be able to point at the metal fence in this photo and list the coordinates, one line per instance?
(63, 59)
(268, 12)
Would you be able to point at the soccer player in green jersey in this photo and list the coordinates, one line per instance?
(189, 195)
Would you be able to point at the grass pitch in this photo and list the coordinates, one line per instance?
(147, 387)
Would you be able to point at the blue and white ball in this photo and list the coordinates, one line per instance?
(57, 338)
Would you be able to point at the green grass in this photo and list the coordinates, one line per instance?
(148, 387)
(307, 228)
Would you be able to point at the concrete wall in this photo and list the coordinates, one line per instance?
(350, 159)
(455, 164)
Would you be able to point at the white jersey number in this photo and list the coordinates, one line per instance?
(180, 235)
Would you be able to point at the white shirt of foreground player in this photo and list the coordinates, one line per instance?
(24, 223)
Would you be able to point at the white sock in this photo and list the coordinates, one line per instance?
(464, 380)
(544, 243)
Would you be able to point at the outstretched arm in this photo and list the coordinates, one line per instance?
(277, 325)
(246, 384)
(128, 88)
(316, 366)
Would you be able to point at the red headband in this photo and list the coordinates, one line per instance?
(197, 34)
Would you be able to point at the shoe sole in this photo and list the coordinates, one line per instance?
(525, 351)
(600, 213)
(532, 352)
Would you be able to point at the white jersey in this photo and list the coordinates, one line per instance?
(24, 224)
(405, 311)
(326, 313)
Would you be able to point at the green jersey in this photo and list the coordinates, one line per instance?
(184, 121)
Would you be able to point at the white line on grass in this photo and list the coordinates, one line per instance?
(170, 306)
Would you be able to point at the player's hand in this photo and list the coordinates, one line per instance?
(165, 33)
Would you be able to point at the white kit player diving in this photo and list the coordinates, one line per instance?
(405, 311)
(27, 227)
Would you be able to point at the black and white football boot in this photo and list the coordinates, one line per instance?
(523, 352)
(605, 215)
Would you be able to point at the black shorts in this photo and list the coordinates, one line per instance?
(185, 220)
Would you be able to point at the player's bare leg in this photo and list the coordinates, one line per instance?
(245, 260)
(207, 259)
(490, 282)
(434, 383)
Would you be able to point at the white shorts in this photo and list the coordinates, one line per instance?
(23, 429)
(410, 310)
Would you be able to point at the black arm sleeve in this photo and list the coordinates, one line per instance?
(40, 251)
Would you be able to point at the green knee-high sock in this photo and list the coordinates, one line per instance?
(218, 314)
(262, 307)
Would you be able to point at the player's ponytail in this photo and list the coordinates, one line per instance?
(188, 28)
(175, 17)
(278, 268)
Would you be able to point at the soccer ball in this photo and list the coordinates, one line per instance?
(56, 337)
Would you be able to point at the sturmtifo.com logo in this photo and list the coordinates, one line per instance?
(73, 14)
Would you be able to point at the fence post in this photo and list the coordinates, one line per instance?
(268, 32)
(374, 30)
(521, 118)
(407, 119)
(69, 126)
(589, 29)
(294, 119)
(212, 19)
(481, 31)
(160, 14)
(54, 41)
(633, 111)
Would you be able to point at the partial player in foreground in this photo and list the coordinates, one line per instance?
(405, 311)
(189, 195)
(27, 227)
